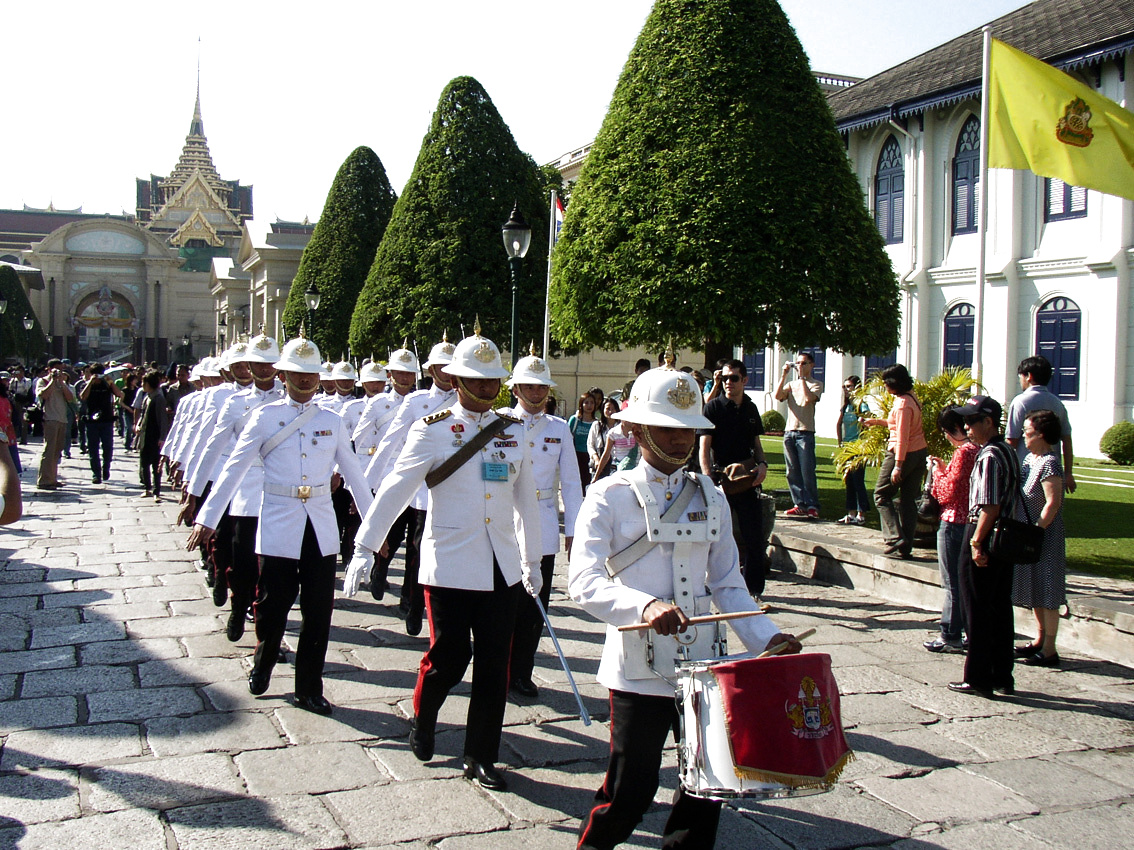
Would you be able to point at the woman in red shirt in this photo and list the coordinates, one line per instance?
(904, 464)
(950, 488)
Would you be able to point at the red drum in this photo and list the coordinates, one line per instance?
(766, 727)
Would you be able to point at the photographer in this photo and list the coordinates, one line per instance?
(99, 395)
(54, 394)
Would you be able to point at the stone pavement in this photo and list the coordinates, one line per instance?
(125, 721)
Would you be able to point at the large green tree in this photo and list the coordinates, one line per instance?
(442, 260)
(15, 340)
(341, 250)
(717, 206)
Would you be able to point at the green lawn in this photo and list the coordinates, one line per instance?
(1099, 516)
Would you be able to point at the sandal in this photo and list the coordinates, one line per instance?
(847, 520)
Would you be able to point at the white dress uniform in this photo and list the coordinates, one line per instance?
(376, 417)
(213, 401)
(181, 432)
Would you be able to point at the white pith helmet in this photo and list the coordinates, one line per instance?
(665, 397)
(300, 355)
(237, 353)
(195, 372)
(476, 357)
(371, 371)
(344, 371)
(531, 370)
(441, 353)
(262, 349)
(403, 360)
(325, 371)
(209, 367)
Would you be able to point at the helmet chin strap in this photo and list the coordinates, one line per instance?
(649, 441)
(298, 391)
(464, 390)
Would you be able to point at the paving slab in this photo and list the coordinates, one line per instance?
(555, 743)
(184, 671)
(415, 811)
(137, 829)
(235, 731)
(873, 708)
(71, 746)
(1050, 784)
(84, 680)
(980, 836)
(173, 626)
(85, 598)
(949, 795)
(130, 651)
(355, 722)
(556, 837)
(37, 659)
(1117, 767)
(162, 783)
(165, 592)
(550, 795)
(143, 704)
(282, 823)
(78, 634)
(308, 769)
(1093, 729)
(40, 713)
(889, 751)
(999, 738)
(1096, 828)
(39, 796)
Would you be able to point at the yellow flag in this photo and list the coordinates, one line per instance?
(1044, 121)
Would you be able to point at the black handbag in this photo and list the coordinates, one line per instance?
(1013, 541)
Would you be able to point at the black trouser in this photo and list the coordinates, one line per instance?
(312, 579)
(986, 596)
(348, 521)
(412, 603)
(244, 569)
(455, 616)
(149, 470)
(529, 625)
(220, 550)
(100, 435)
(407, 528)
(900, 525)
(639, 726)
(748, 524)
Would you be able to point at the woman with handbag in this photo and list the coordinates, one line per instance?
(1042, 586)
(950, 487)
(986, 573)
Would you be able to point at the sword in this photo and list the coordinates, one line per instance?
(563, 660)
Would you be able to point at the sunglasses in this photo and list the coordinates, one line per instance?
(973, 420)
(731, 378)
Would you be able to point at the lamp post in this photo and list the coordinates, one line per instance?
(517, 237)
(187, 347)
(222, 332)
(311, 296)
(29, 323)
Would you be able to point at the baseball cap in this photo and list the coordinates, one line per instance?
(981, 405)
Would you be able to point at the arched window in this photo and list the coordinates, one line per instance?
(966, 178)
(889, 192)
(960, 324)
(1059, 324)
(1062, 200)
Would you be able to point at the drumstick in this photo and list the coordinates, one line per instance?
(780, 647)
(694, 621)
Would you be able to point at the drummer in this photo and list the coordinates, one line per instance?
(663, 415)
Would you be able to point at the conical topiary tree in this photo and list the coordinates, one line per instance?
(15, 339)
(716, 206)
(341, 250)
(442, 260)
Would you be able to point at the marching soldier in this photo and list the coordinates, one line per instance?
(299, 444)
(554, 467)
(242, 565)
(403, 372)
(481, 539)
(623, 572)
(417, 404)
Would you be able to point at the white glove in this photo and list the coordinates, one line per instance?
(359, 567)
(533, 579)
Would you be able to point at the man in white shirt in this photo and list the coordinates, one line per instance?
(801, 396)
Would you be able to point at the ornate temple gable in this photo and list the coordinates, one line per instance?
(197, 227)
(196, 197)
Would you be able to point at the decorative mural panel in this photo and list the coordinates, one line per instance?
(84, 269)
(105, 242)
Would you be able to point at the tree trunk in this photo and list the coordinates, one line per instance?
(715, 351)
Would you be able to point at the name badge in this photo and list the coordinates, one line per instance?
(494, 471)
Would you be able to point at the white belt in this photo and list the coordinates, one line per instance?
(303, 492)
(544, 495)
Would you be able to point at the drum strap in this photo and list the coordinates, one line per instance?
(621, 560)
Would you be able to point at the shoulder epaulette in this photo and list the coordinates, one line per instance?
(507, 418)
(438, 416)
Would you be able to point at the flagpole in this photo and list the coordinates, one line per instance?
(547, 297)
(982, 211)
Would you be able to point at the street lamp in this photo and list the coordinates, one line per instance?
(187, 347)
(311, 296)
(517, 237)
(29, 323)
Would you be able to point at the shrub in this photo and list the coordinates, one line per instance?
(1118, 443)
(773, 421)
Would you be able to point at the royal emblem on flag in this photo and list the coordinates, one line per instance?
(1074, 127)
(810, 717)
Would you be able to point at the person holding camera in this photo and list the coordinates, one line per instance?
(801, 395)
(55, 395)
(99, 395)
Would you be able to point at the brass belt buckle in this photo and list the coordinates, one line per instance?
(303, 491)
(372, 450)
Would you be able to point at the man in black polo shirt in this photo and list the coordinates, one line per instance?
(736, 440)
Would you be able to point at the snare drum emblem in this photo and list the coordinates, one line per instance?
(810, 717)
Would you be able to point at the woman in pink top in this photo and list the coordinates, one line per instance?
(904, 464)
(951, 490)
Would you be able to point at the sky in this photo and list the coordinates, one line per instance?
(101, 94)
